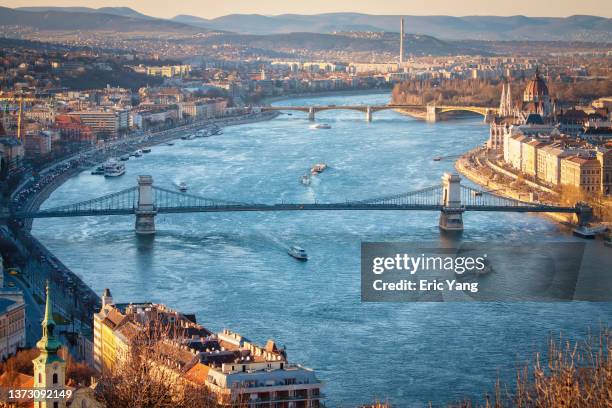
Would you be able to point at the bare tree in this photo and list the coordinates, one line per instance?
(147, 378)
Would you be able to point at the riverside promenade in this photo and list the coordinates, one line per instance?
(476, 166)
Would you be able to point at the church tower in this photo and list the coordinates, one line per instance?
(49, 367)
(505, 102)
(502, 101)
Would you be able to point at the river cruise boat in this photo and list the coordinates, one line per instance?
(125, 157)
(298, 253)
(318, 168)
(182, 187)
(113, 168)
(146, 150)
(320, 126)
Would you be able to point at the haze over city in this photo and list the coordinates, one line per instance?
(212, 9)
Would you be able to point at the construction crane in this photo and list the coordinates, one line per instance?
(20, 99)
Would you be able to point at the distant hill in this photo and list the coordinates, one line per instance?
(574, 28)
(489, 28)
(118, 11)
(90, 20)
(314, 42)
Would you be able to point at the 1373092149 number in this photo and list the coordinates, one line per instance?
(37, 394)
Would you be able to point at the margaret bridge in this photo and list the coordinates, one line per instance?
(450, 198)
(431, 112)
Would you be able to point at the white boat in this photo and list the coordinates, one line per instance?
(125, 157)
(298, 253)
(182, 186)
(146, 150)
(113, 168)
(589, 232)
(138, 153)
(320, 126)
(318, 168)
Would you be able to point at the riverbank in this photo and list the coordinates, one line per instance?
(76, 163)
(475, 166)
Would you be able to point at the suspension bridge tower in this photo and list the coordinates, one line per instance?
(451, 216)
(145, 212)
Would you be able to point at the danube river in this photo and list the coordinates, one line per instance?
(233, 271)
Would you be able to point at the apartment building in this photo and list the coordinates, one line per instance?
(583, 172)
(558, 162)
(604, 156)
(104, 122)
(12, 325)
(549, 163)
(226, 363)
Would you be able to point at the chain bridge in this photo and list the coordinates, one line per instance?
(450, 198)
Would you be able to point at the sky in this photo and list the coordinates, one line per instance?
(216, 8)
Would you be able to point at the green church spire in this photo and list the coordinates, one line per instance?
(48, 344)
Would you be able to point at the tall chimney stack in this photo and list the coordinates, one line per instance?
(401, 58)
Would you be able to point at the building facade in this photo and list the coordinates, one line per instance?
(229, 365)
(12, 326)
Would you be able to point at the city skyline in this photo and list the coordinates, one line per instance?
(158, 9)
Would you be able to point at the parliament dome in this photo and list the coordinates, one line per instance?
(536, 90)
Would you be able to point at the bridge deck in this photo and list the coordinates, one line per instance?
(296, 207)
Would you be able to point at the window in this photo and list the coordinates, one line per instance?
(39, 378)
(54, 378)
(56, 404)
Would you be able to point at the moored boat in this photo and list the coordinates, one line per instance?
(113, 168)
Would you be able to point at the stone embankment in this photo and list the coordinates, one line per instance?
(476, 166)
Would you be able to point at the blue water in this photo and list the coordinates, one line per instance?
(232, 270)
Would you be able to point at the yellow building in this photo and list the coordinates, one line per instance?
(226, 363)
(604, 156)
(529, 154)
(581, 172)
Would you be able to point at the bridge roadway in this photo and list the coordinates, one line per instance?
(293, 207)
(432, 112)
(450, 198)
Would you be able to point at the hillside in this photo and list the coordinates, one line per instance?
(90, 20)
(574, 28)
(313, 42)
(487, 28)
